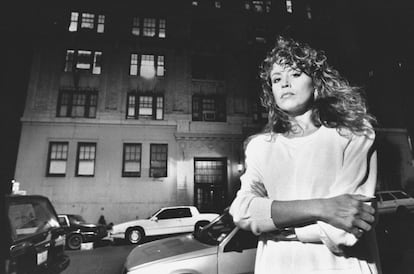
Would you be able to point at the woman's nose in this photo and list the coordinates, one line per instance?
(285, 82)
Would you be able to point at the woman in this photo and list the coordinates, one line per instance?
(310, 176)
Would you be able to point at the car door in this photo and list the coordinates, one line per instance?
(187, 220)
(237, 254)
(167, 221)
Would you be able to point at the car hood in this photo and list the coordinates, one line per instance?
(168, 249)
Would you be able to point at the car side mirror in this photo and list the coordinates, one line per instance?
(155, 219)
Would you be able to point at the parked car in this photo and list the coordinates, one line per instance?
(78, 231)
(33, 236)
(167, 220)
(391, 201)
(219, 247)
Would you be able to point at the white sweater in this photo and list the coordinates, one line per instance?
(320, 165)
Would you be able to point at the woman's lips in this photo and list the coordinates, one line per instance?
(287, 95)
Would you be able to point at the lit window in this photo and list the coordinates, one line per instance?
(77, 104)
(149, 27)
(160, 66)
(69, 60)
(133, 67)
(148, 65)
(87, 20)
(145, 106)
(101, 24)
(74, 17)
(159, 108)
(147, 68)
(309, 11)
(83, 60)
(289, 7)
(57, 158)
(131, 166)
(162, 27)
(217, 4)
(97, 62)
(158, 160)
(194, 3)
(135, 26)
(86, 159)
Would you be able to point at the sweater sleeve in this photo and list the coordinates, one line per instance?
(251, 209)
(357, 176)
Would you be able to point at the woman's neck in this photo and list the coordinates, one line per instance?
(302, 125)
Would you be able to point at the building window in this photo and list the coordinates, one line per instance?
(136, 26)
(162, 28)
(158, 160)
(131, 165)
(145, 106)
(74, 17)
(194, 3)
(258, 6)
(85, 60)
(289, 7)
(149, 27)
(148, 65)
(101, 24)
(77, 104)
(85, 160)
(209, 108)
(309, 11)
(88, 21)
(57, 158)
(217, 4)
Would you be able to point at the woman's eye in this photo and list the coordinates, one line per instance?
(275, 80)
(297, 74)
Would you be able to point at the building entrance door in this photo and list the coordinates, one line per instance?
(210, 184)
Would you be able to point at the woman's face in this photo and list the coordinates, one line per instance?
(292, 89)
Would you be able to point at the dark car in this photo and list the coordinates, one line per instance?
(35, 239)
(78, 231)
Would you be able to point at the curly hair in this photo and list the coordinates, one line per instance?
(337, 104)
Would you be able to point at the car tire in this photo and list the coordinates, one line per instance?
(199, 225)
(74, 241)
(135, 235)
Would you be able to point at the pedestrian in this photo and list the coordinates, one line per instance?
(311, 174)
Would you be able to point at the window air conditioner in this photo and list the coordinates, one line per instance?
(209, 115)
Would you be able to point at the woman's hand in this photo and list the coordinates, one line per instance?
(348, 212)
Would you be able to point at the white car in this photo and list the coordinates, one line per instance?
(394, 201)
(218, 248)
(167, 220)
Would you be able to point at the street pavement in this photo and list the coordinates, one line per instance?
(109, 259)
(106, 259)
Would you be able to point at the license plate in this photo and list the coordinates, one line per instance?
(41, 257)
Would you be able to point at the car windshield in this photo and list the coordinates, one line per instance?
(76, 219)
(29, 216)
(216, 231)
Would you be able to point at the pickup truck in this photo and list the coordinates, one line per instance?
(167, 220)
